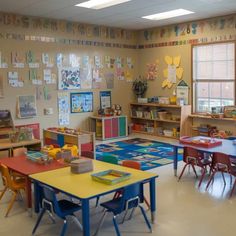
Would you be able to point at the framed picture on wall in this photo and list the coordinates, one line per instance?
(105, 99)
(81, 102)
(27, 106)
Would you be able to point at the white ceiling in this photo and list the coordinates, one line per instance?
(127, 15)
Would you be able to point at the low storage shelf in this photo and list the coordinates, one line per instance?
(109, 127)
(160, 119)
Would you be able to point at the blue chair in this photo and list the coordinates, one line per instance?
(131, 197)
(62, 208)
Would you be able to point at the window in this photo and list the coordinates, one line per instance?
(213, 76)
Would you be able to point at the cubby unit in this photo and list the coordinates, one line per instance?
(161, 120)
(109, 127)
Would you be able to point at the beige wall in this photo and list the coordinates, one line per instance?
(120, 93)
(208, 30)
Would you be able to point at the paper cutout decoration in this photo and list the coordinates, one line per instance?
(172, 72)
(152, 71)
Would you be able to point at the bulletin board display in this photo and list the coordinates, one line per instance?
(81, 102)
(105, 99)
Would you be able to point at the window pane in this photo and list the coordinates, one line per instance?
(228, 90)
(212, 63)
(215, 90)
(202, 90)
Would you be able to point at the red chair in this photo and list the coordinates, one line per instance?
(192, 157)
(135, 165)
(221, 163)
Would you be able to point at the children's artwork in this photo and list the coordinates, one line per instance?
(86, 78)
(27, 106)
(118, 62)
(59, 59)
(63, 119)
(152, 71)
(46, 93)
(108, 61)
(16, 60)
(13, 80)
(96, 76)
(129, 76)
(172, 72)
(63, 109)
(120, 74)
(109, 80)
(74, 60)
(105, 99)
(69, 78)
(129, 62)
(47, 60)
(97, 62)
(81, 102)
(85, 61)
(31, 60)
(47, 76)
(3, 63)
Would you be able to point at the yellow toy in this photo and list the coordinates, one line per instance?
(51, 151)
(72, 148)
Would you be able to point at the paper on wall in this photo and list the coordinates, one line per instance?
(172, 73)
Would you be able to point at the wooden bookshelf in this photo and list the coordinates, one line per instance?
(146, 119)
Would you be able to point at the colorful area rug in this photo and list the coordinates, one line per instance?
(150, 154)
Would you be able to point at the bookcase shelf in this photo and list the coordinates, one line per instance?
(170, 121)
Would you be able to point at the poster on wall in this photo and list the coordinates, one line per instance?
(81, 102)
(69, 78)
(27, 106)
(105, 99)
(63, 109)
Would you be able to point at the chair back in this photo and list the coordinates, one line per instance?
(110, 159)
(221, 162)
(6, 177)
(192, 155)
(131, 196)
(50, 200)
(19, 152)
(131, 164)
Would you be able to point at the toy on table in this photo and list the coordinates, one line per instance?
(39, 157)
(116, 109)
(200, 142)
(111, 177)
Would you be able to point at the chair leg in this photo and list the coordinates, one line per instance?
(51, 216)
(203, 174)
(131, 214)
(223, 177)
(11, 203)
(126, 212)
(100, 223)
(211, 178)
(146, 219)
(3, 192)
(75, 219)
(231, 193)
(147, 202)
(116, 226)
(64, 228)
(97, 201)
(194, 170)
(183, 171)
(38, 220)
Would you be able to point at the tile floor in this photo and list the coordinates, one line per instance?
(182, 210)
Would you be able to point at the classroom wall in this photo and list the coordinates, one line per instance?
(40, 35)
(176, 40)
(22, 33)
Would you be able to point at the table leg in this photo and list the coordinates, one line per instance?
(153, 199)
(175, 160)
(85, 217)
(28, 193)
(37, 199)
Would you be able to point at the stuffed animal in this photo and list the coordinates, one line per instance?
(116, 109)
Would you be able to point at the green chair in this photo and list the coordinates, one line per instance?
(110, 159)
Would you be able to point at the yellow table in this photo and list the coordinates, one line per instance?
(82, 186)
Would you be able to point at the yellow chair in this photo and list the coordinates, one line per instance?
(9, 183)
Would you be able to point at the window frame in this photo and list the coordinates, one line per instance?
(193, 89)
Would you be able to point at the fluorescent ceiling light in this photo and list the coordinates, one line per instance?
(168, 14)
(99, 4)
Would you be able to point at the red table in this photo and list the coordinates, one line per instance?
(26, 167)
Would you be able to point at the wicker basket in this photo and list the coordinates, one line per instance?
(162, 115)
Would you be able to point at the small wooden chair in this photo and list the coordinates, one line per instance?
(19, 152)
